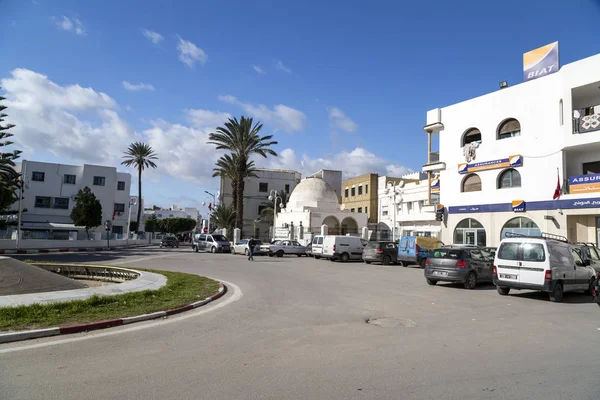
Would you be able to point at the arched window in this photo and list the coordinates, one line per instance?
(471, 135)
(509, 178)
(471, 183)
(522, 226)
(470, 231)
(509, 128)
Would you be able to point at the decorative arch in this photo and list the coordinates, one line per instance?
(508, 128)
(470, 231)
(470, 135)
(520, 225)
(349, 225)
(471, 183)
(509, 178)
(333, 225)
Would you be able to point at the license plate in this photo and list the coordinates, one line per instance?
(440, 273)
(507, 276)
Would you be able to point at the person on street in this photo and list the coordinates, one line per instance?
(251, 244)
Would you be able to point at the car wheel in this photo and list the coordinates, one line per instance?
(386, 260)
(345, 257)
(332, 259)
(367, 262)
(270, 254)
(317, 257)
(471, 281)
(246, 252)
(590, 288)
(279, 253)
(503, 290)
(557, 294)
(213, 249)
(299, 255)
(422, 262)
(430, 281)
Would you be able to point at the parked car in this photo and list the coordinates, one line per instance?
(382, 252)
(589, 251)
(241, 247)
(283, 247)
(466, 264)
(491, 250)
(309, 250)
(213, 243)
(265, 248)
(343, 248)
(547, 263)
(169, 241)
(416, 249)
(317, 246)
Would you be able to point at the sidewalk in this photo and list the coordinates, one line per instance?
(73, 249)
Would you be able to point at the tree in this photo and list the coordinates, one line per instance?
(176, 225)
(151, 224)
(10, 179)
(139, 155)
(133, 226)
(87, 211)
(224, 217)
(243, 141)
(266, 208)
(226, 167)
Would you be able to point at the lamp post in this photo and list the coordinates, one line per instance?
(394, 194)
(22, 185)
(273, 196)
(210, 208)
(132, 202)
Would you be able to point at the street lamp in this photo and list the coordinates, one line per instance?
(394, 193)
(22, 185)
(210, 208)
(274, 196)
(132, 202)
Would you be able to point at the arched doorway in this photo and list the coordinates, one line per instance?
(521, 226)
(349, 225)
(470, 231)
(333, 225)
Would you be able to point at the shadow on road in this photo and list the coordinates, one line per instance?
(569, 298)
(480, 286)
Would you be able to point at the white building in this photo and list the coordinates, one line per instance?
(411, 216)
(529, 136)
(174, 212)
(51, 190)
(256, 194)
(314, 203)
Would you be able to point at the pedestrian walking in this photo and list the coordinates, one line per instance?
(251, 244)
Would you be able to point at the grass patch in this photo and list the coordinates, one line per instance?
(181, 289)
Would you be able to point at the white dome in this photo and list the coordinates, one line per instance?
(314, 193)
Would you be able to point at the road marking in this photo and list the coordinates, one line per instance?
(237, 294)
(136, 260)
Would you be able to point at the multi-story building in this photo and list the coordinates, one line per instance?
(502, 156)
(51, 190)
(360, 195)
(256, 196)
(403, 203)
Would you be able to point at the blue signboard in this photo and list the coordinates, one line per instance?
(511, 161)
(584, 184)
(531, 206)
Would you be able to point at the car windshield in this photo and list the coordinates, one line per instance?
(446, 253)
(373, 245)
(219, 238)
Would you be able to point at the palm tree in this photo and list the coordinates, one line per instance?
(226, 168)
(224, 217)
(140, 156)
(266, 212)
(242, 139)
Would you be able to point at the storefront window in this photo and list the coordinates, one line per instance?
(470, 231)
(521, 226)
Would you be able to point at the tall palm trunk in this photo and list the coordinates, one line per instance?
(139, 213)
(239, 207)
(234, 193)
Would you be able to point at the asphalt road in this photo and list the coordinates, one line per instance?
(293, 328)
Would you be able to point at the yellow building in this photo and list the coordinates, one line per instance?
(359, 195)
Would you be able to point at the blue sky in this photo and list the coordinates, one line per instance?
(342, 85)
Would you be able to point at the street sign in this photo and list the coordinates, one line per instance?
(107, 225)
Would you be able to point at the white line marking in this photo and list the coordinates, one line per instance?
(136, 260)
(237, 294)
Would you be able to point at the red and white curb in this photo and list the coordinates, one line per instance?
(65, 330)
(71, 250)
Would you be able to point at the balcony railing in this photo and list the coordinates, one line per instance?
(586, 119)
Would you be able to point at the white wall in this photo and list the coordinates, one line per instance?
(70, 244)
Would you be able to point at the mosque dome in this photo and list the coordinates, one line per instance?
(313, 193)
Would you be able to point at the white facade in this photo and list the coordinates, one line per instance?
(187, 212)
(413, 216)
(256, 194)
(51, 190)
(548, 139)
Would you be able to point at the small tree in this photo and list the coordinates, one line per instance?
(224, 217)
(87, 211)
(151, 224)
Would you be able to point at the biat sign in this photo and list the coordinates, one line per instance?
(541, 62)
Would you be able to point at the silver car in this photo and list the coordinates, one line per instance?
(213, 243)
(241, 247)
(282, 247)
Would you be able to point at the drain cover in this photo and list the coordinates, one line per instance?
(388, 322)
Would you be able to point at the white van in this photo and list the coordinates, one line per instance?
(343, 248)
(547, 263)
(317, 246)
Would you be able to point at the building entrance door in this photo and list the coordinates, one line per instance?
(470, 237)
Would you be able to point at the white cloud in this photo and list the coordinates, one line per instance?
(66, 24)
(206, 119)
(339, 120)
(284, 118)
(281, 67)
(259, 70)
(356, 162)
(138, 86)
(189, 53)
(154, 37)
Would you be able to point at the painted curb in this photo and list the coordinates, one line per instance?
(92, 326)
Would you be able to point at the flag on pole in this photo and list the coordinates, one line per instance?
(558, 189)
(114, 213)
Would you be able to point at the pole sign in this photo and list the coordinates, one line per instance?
(107, 225)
